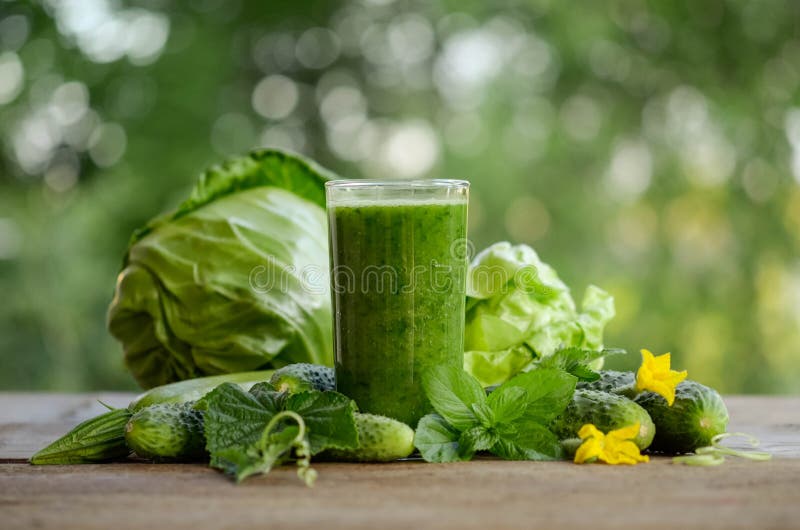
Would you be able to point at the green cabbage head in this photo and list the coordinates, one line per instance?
(235, 279)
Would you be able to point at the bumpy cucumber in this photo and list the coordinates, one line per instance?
(96, 440)
(380, 439)
(301, 377)
(697, 415)
(610, 381)
(103, 438)
(167, 431)
(607, 412)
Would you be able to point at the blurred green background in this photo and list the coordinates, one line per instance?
(652, 148)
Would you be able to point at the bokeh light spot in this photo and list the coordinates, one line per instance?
(581, 118)
(317, 48)
(411, 149)
(107, 144)
(12, 76)
(275, 97)
(630, 170)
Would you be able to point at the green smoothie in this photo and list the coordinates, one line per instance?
(398, 274)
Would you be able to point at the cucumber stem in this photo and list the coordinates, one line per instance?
(714, 454)
(302, 449)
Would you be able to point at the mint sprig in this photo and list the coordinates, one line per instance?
(510, 423)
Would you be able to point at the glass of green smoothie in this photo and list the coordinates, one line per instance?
(398, 279)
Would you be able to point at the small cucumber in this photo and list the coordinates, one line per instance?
(380, 439)
(301, 377)
(607, 412)
(95, 440)
(194, 389)
(697, 415)
(167, 431)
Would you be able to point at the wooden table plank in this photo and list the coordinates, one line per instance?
(481, 494)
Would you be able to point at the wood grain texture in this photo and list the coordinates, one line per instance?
(487, 493)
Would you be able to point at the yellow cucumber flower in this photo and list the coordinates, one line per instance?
(613, 448)
(654, 374)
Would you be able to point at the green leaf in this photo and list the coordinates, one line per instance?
(329, 418)
(548, 392)
(484, 414)
(436, 440)
(220, 285)
(263, 167)
(233, 419)
(452, 392)
(584, 373)
(577, 361)
(508, 403)
(495, 367)
(268, 397)
(253, 460)
(475, 439)
(251, 432)
(529, 441)
(519, 310)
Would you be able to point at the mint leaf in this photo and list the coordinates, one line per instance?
(508, 403)
(328, 417)
(484, 414)
(475, 439)
(577, 361)
(548, 393)
(528, 441)
(584, 373)
(452, 393)
(436, 440)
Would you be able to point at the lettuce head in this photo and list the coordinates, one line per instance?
(518, 311)
(235, 279)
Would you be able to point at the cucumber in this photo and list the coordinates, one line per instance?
(607, 412)
(380, 439)
(301, 377)
(697, 415)
(194, 389)
(102, 438)
(167, 431)
(610, 381)
(95, 440)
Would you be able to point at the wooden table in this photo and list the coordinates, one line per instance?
(487, 493)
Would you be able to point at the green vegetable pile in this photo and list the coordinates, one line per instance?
(247, 424)
(243, 426)
(194, 298)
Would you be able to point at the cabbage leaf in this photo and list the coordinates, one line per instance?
(235, 279)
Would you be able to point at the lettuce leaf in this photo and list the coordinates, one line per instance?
(519, 310)
(235, 279)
